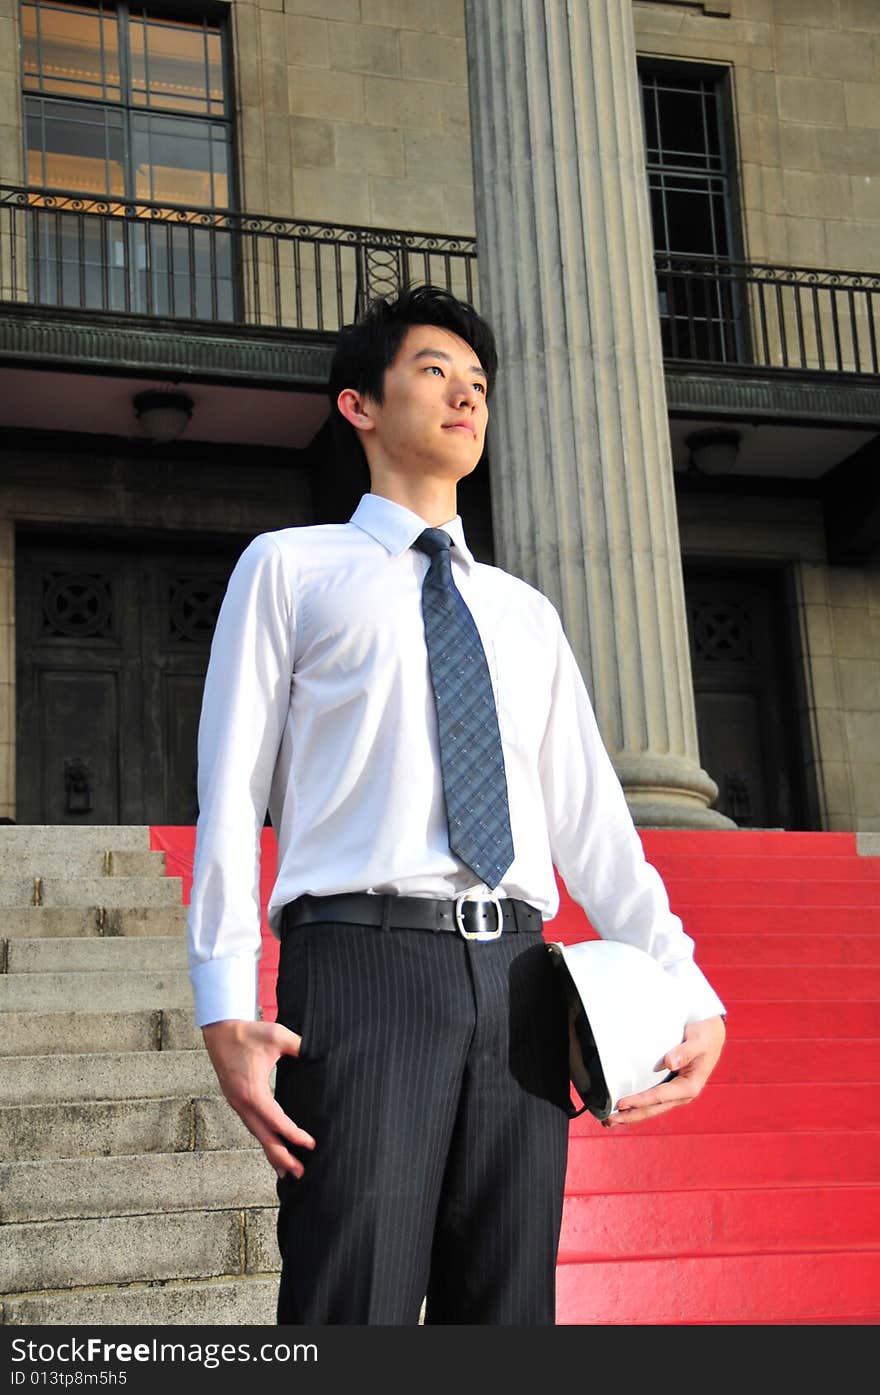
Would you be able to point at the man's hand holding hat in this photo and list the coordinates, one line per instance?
(693, 1060)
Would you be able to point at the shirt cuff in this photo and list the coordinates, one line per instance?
(700, 999)
(225, 988)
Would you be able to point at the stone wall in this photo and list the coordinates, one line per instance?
(11, 152)
(805, 77)
(355, 111)
(840, 626)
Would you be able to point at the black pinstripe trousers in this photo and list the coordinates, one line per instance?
(433, 1076)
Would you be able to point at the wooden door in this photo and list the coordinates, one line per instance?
(744, 692)
(112, 648)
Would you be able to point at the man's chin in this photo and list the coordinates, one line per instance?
(468, 468)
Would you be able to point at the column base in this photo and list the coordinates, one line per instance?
(669, 792)
(660, 814)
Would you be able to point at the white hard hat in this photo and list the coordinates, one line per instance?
(625, 1014)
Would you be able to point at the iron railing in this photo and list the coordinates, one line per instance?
(713, 310)
(136, 257)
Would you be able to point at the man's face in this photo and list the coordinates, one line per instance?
(433, 417)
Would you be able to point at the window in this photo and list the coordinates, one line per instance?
(691, 191)
(686, 169)
(121, 101)
(124, 104)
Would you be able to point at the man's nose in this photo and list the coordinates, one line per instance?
(465, 394)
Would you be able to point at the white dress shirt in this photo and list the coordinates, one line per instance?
(318, 704)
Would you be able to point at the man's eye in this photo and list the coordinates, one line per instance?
(481, 386)
(433, 368)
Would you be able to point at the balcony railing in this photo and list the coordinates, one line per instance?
(135, 257)
(717, 311)
(142, 258)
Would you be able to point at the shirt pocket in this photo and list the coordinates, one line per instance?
(521, 678)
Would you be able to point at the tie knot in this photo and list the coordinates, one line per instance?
(433, 541)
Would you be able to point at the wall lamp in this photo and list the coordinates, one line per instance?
(162, 416)
(713, 451)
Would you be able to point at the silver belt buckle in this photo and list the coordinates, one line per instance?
(479, 896)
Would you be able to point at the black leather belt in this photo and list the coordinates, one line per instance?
(476, 917)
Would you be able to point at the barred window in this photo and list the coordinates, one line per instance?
(692, 192)
(688, 175)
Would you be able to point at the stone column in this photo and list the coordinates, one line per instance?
(581, 472)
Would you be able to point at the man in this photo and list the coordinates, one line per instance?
(420, 1120)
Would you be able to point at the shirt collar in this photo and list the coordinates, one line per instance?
(397, 528)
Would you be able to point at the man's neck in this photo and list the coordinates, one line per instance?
(434, 501)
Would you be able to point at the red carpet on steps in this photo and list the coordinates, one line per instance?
(759, 1202)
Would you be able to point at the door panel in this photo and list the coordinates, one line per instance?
(77, 679)
(184, 596)
(744, 694)
(78, 764)
(729, 732)
(181, 698)
(112, 647)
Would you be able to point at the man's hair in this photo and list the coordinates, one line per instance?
(367, 348)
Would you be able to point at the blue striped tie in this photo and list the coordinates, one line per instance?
(471, 759)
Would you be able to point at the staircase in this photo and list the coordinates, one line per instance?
(760, 1201)
(129, 1191)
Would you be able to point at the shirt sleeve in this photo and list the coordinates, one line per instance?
(595, 846)
(244, 708)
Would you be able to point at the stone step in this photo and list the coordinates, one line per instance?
(29, 840)
(99, 954)
(97, 1128)
(42, 922)
(126, 1249)
(90, 891)
(123, 863)
(241, 1302)
(104, 1128)
(94, 992)
(50, 1190)
(123, 1075)
(86, 862)
(170, 1214)
(217, 1126)
(65, 1033)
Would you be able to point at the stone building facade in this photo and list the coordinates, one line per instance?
(676, 207)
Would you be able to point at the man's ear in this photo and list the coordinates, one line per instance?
(356, 409)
